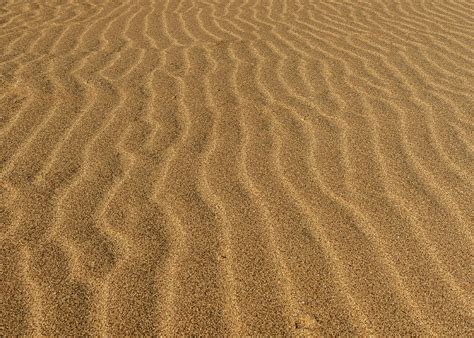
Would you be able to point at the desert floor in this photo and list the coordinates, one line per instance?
(240, 167)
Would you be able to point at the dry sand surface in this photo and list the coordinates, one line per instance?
(241, 167)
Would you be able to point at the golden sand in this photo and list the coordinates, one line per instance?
(241, 167)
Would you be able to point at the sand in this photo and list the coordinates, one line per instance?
(244, 167)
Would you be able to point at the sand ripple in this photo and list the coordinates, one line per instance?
(237, 167)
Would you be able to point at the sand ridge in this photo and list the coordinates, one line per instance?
(242, 167)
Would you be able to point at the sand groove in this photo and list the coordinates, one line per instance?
(243, 167)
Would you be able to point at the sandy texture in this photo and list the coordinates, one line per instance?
(237, 167)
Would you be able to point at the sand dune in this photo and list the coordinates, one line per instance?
(243, 167)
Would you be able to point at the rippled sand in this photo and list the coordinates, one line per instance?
(237, 167)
